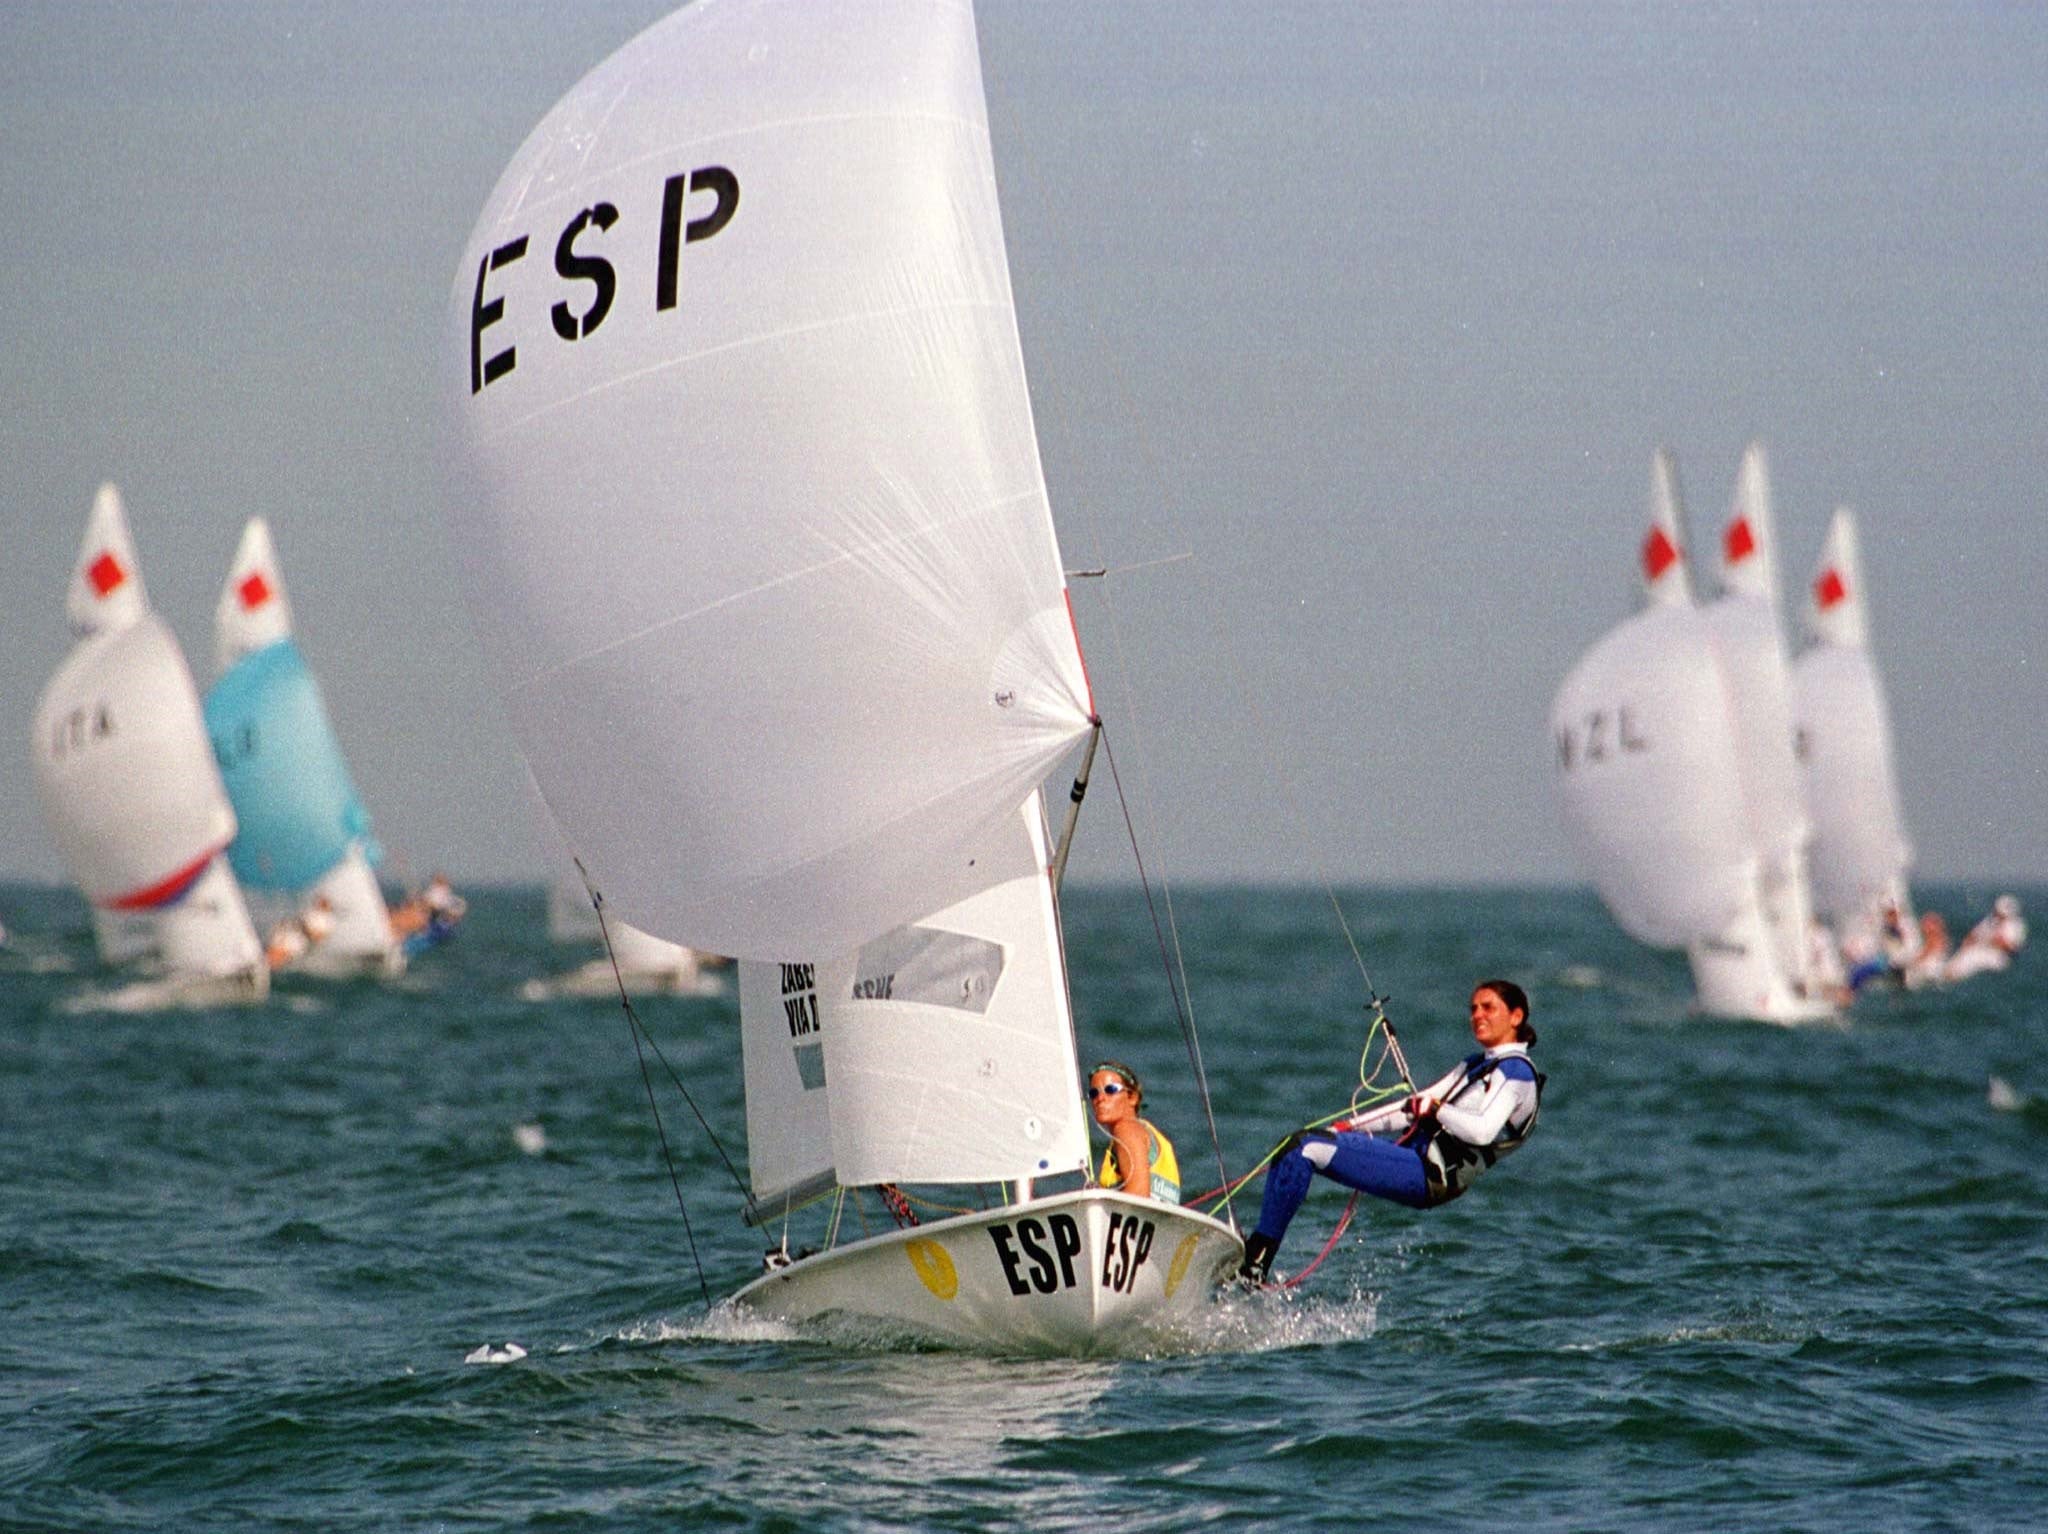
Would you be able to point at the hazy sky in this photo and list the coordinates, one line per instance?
(1375, 311)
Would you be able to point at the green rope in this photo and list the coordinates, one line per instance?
(1368, 1094)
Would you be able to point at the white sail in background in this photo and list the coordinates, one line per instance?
(106, 593)
(254, 611)
(1749, 630)
(1647, 769)
(752, 514)
(126, 774)
(1861, 854)
(1649, 756)
(304, 836)
(1645, 760)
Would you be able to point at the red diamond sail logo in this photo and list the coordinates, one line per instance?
(1740, 542)
(105, 573)
(1828, 590)
(1659, 553)
(254, 591)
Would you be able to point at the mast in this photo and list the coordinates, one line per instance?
(1074, 797)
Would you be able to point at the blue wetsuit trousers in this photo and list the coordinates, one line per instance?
(1379, 1167)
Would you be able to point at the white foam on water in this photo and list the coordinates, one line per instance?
(530, 1138)
(2003, 1096)
(504, 1353)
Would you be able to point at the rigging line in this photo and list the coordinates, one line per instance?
(637, 1031)
(604, 930)
(1175, 983)
(647, 1082)
(1103, 572)
(1148, 452)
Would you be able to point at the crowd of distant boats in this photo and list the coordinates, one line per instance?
(221, 840)
(1741, 804)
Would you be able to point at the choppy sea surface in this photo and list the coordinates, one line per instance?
(1740, 1278)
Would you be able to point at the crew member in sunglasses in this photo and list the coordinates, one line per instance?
(1140, 1159)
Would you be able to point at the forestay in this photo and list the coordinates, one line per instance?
(745, 483)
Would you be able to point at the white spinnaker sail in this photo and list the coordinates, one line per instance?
(124, 769)
(1860, 851)
(1647, 771)
(942, 1052)
(745, 482)
(1752, 652)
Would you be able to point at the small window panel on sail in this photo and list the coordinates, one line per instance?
(930, 967)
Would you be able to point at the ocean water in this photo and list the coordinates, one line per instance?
(1740, 1278)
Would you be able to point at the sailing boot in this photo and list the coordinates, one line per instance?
(1258, 1258)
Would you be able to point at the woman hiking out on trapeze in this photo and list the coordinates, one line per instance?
(1427, 1149)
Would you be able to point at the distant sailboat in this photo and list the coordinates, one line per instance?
(129, 787)
(1861, 856)
(1650, 775)
(758, 541)
(1749, 627)
(304, 837)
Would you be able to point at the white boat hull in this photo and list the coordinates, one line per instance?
(1091, 1271)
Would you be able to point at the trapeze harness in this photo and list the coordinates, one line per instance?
(1449, 1165)
(1165, 1166)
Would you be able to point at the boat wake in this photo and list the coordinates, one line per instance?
(1235, 1323)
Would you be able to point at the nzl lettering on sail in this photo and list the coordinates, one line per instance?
(711, 193)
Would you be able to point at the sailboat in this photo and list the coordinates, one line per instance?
(627, 958)
(129, 787)
(1650, 776)
(757, 541)
(1750, 631)
(304, 836)
(1861, 855)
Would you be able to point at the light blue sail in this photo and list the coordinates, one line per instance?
(296, 804)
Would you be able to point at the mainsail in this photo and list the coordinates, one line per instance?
(124, 770)
(303, 830)
(1860, 851)
(750, 505)
(1749, 630)
(940, 1052)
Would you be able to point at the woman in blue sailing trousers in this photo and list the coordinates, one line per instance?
(1425, 1150)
